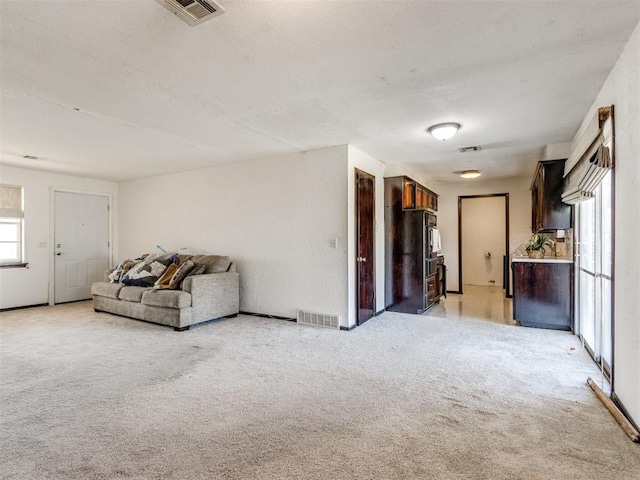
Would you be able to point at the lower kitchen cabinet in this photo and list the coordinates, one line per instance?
(542, 294)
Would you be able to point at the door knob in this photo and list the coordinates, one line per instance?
(59, 253)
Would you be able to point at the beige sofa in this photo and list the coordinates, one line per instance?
(201, 298)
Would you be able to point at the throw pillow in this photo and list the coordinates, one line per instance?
(145, 273)
(198, 270)
(180, 274)
(163, 281)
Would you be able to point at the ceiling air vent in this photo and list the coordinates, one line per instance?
(194, 12)
(474, 148)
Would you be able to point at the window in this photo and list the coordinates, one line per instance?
(11, 225)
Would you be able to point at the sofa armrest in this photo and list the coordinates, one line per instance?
(213, 294)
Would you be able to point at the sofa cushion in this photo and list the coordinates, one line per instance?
(212, 263)
(132, 294)
(105, 289)
(167, 298)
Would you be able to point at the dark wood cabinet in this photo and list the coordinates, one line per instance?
(542, 294)
(409, 194)
(548, 212)
(412, 277)
(417, 197)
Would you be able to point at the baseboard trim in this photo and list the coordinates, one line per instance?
(628, 428)
(624, 411)
(347, 329)
(265, 315)
(24, 306)
(457, 292)
(379, 312)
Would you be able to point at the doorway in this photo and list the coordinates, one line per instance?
(365, 249)
(483, 240)
(81, 244)
(594, 274)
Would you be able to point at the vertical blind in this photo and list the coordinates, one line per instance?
(11, 202)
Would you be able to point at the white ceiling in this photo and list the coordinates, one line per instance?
(124, 89)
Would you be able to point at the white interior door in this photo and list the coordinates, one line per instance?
(81, 245)
(483, 232)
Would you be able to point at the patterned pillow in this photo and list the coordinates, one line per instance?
(163, 281)
(118, 273)
(145, 273)
(180, 274)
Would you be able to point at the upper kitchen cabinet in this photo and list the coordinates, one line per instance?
(417, 197)
(548, 212)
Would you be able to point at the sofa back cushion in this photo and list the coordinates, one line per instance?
(212, 263)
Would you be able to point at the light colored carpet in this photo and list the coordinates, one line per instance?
(94, 396)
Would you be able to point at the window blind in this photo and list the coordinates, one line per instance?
(11, 202)
(590, 159)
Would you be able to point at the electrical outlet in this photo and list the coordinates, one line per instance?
(334, 242)
(42, 244)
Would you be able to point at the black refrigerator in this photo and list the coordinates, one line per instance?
(411, 267)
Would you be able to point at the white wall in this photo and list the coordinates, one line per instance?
(483, 230)
(370, 165)
(519, 216)
(274, 217)
(621, 90)
(399, 170)
(31, 286)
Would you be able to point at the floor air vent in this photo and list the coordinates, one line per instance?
(194, 12)
(318, 319)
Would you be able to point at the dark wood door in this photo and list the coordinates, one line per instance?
(365, 254)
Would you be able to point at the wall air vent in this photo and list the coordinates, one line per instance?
(194, 12)
(318, 319)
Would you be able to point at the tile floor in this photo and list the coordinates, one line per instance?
(476, 303)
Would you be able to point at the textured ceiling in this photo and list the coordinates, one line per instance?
(124, 89)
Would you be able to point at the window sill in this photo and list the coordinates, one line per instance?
(14, 265)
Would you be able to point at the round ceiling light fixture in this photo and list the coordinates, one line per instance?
(444, 131)
(470, 174)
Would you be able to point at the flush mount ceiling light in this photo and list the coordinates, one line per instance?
(444, 131)
(470, 174)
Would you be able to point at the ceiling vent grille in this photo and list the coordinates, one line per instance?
(474, 148)
(194, 12)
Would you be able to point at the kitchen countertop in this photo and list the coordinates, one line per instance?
(542, 260)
